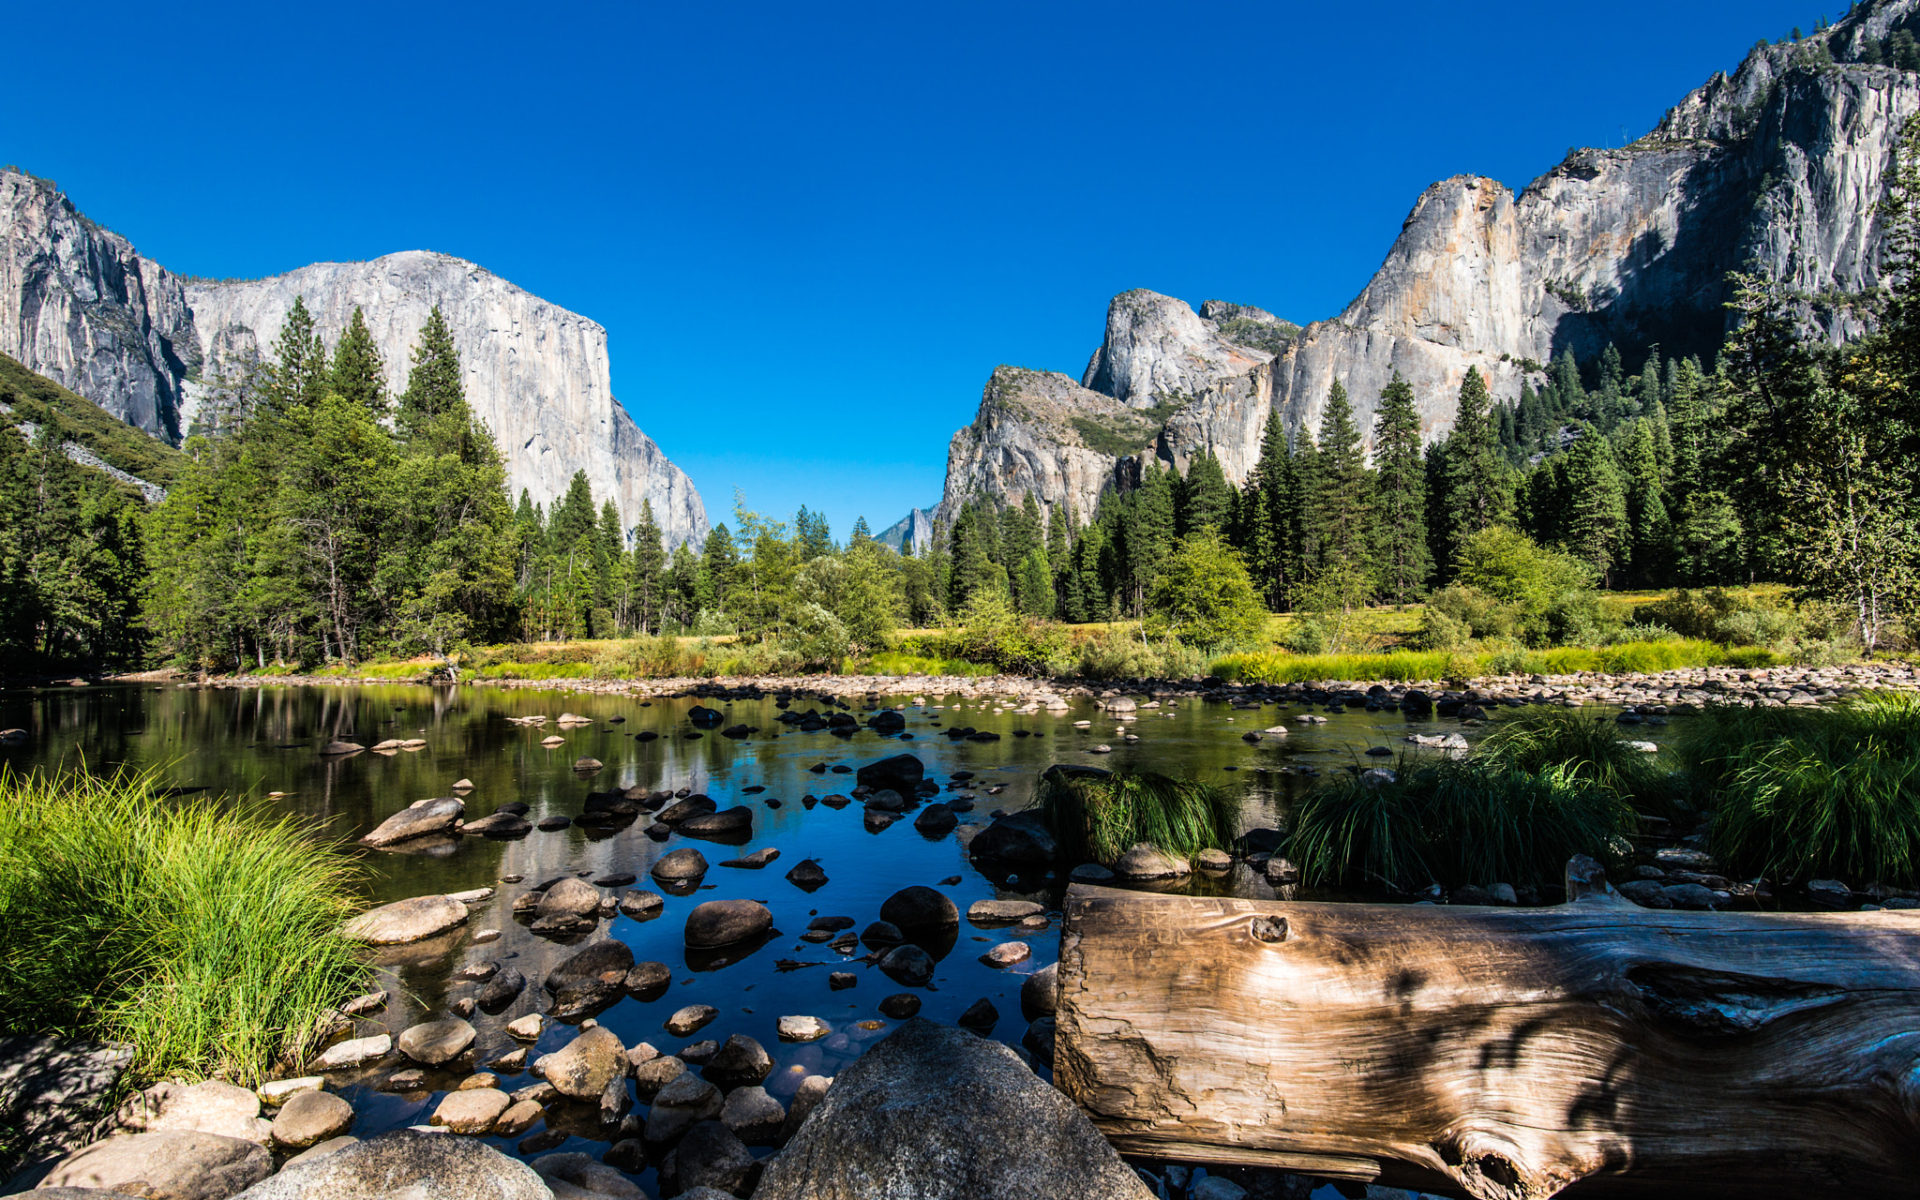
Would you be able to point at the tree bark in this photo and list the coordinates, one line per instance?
(1509, 1054)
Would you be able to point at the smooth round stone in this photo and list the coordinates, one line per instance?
(433, 1043)
(585, 1066)
(1213, 860)
(803, 1029)
(900, 1006)
(718, 923)
(1008, 953)
(309, 1118)
(742, 1062)
(473, 1110)
(691, 1019)
(679, 866)
(648, 977)
(908, 965)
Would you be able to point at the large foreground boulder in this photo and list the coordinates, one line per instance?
(404, 1165)
(939, 1114)
(170, 1165)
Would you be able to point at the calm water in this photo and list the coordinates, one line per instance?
(249, 742)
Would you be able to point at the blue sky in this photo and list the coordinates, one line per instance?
(811, 231)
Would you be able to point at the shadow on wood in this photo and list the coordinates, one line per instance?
(1596, 1048)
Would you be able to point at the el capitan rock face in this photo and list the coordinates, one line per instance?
(79, 305)
(1778, 168)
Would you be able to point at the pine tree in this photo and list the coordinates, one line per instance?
(298, 376)
(814, 538)
(1594, 525)
(1266, 522)
(862, 533)
(649, 573)
(1400, 557)
(1340, 503)
(1474, 491)
(1204, 498)
(1649, 532)
(434, 392)
(359, 377)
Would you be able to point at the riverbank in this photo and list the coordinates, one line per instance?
(1693, 686)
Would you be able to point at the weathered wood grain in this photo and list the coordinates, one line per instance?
(1509, 1054)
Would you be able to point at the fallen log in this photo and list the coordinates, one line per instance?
(1596, 1048)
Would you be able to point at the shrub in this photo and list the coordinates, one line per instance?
(818, 638)
(1589, 748)
(1454, 823)
(1117, 652)
(1100, 816)
(992, 632)
(1816, 793)
(204, 934)
(1307, 636)
(1204, 597)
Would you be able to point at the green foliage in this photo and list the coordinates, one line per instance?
(1823, 793)
(1118, 652)
(1589, 748)
(1454, 823)
(204, 934)
(119, 445)
(1097, 816)
(1203, 597)
(1400, 554)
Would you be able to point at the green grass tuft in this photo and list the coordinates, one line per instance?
(202, 933)
(1818, 793)
(1454, 823)
(1099, 816)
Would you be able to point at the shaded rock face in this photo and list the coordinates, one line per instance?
(1779, 166)
(52, 1091)
(935, 1111)
(79, 305)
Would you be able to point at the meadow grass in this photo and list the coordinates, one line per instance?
(897, 662)
(1279, 666)
(1099, 816)
(202, 933)
(1815, 793)
(1454, 823)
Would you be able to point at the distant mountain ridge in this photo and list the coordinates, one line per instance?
(1778, 168)
(79, 305)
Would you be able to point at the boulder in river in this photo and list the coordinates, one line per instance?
(422, 818)
(1017, 840)
(917, 909)
(406, 921)
(718, 923)
(702, 717)
(1149, 862)
(584, 1067)
(680, 866)
(310, 1118)
(807, 875)
(433, 1043)
(908, 965)
(901, 773)
(934, 1111)
(589, 980)
(735, 822)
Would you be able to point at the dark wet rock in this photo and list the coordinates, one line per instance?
(753, 862)
(887, 721)
(881, 934)
(554, 822)
(727, 822)
(933, 1111)
(589, 980)
(705, 718)
(901, 773)
(753, 1115)
(908, 965)
(741, 1062)
(831, 924)
(718, 923)
(699, 1054)
(433, 1043)
(684, 810)
(649, 1077)
(936, 820)
(579, 1176)
(886, 800)
(840, 981)
(1038, 1040)
(807, 875)
(980, 1016)
(1040, 992)
(1016, 840)
(641, 904)
(499, 992)
(499, 824)
(648, 980)
(680, 1105)
(618, 879)
(918, 909)
(679, 866)
(709, 1156)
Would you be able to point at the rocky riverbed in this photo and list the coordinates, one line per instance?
(631, 939)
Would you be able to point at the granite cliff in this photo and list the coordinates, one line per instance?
(79, 305)
(1778, 168)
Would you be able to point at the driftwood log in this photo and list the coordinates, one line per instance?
(1596, 1048)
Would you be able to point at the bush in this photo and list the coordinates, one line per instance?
(1454, 823)
(1589, 748)
(204, 934)
(992, 632)
(818, 638)
(1117, 652)
(1307, 636)
(1204, 597)
(1818, 793)
(1099, 816)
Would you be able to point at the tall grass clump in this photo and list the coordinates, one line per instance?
(1823, 793)
(204, 934)
(1099, 816)
(1587, 747)
(1454, 823)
